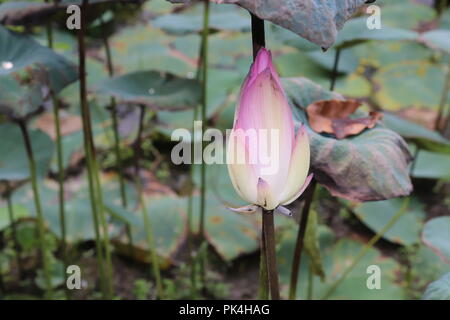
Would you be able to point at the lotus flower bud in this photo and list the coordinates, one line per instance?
(268, 164)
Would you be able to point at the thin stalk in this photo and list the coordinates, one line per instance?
(204, 119)
(258, 34)
(446, 129)
(153, 257)
(441, 5)
(271, 258)
(366, 248)
(190, 236)
(414, 161)
(103, 223)
(310, 291)
(88, 149)
(114, 118)
(37, 204)
(335, 69)
(59, 157)
(13, 228)
(296, 261)
(263, 293)
(115, 123)
(443, 100)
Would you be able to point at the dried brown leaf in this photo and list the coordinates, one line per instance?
(333, 116)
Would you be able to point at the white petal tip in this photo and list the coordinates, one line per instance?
(245, 210)
(284, 211)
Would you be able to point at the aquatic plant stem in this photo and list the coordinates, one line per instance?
(263, 291)
(258, 34)
(89, 151)
(12, 223)
(271, 258)
(60, 162)
(113, 108)
(443, 100)
(153, 256)
(115, 127)
(204, 101)
(296, 260)
(310, 288)
(334, 73)
(366, 248)
(37, 203)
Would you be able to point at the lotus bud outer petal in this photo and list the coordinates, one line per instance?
(241, 173)
(250, 209)
(264, 110)
(284, 211)
(299, 192)
(298, 168)
(266, 198)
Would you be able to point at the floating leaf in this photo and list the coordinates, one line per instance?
(426, 266)
(394, 13)
(437, 39)
(426, 139)
(19, 52)
(231, 234)
(193, 23)
(154, 89)
(348, 62)
(356, 31)
(346, 167)
(312, 247)
(35, 13)
(19, 212)
(337, 256)
(398, 85)
(167, 216)
(25, 12)
(333, 116)
(376, 215)
(438, 290)
(436, 234)
(131, 50)
(27, 70)
(14, 163)
(431, 165)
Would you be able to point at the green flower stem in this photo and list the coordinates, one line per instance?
(263, 291)
(104, 223)
(59, 154)
(366, 248)
(39, 215)
(296, 260)
(190, 235)
(335, 69)
(271, 257)
(414, 161)
(115, 122)
(153, 256)
(204, 119)
(13, 228)
(310, 291)
(89, 151)
(443, 100)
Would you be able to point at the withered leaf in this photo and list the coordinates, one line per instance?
(333, 116)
